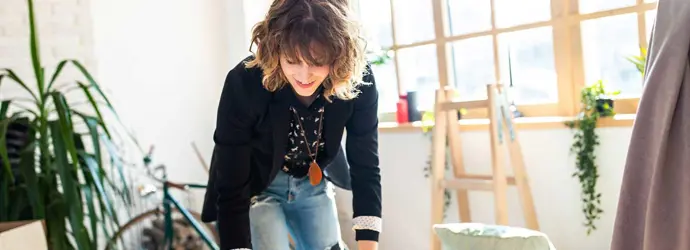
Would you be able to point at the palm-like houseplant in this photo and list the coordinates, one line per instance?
(53, 161)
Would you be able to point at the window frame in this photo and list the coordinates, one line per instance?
(567, 46)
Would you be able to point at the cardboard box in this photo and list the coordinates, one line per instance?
(23, 235)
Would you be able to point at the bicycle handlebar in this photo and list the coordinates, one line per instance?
(153, 173)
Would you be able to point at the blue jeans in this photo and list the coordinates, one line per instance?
(292, 205)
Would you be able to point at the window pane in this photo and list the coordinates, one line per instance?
(469, 16)
(531, 67)
(414, 21)
(649, 18)
(589, 6)
(375, 16)
(606, 43)
(419, 72)
(473, 61)
(511, 12)
(387, 85)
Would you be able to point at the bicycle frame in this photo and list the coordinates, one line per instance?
(169, 201)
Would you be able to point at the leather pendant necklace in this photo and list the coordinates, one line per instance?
(315, 174)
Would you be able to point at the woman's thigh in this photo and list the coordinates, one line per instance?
(311, 216)
(268, 225)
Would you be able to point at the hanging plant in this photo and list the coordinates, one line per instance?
(596, 102)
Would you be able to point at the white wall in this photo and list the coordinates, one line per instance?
(65, 32)
(549, 165)
(165, 63)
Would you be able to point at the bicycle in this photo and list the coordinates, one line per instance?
(206, 231)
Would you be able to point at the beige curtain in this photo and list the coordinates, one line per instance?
(654, 206)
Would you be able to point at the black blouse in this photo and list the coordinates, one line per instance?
(297, 157)
(249, 146)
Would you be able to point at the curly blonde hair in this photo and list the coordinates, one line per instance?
(320, 32)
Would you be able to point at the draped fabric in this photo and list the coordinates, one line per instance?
(654, 204)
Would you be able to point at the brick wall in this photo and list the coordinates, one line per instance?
(65, 31)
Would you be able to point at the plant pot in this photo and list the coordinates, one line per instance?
(601, 105)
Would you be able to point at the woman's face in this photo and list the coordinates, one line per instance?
(305, 79)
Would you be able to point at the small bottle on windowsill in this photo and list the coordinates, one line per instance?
(401, 114)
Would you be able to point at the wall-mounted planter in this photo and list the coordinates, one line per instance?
(604, 104)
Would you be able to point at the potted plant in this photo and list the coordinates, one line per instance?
(596, 102)
(53, 161)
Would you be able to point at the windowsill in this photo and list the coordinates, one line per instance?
(622, 120)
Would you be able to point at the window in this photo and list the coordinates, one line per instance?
(607, 60)
(546, 50)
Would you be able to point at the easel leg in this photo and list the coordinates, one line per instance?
(498, 163)
(458, 166)
(522, 184)
(500, 186)
(438, 162)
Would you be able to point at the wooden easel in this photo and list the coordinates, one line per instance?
(502, 132)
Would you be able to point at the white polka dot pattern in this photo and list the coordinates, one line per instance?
(367, 222)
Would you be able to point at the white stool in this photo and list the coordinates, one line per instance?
(476, 236)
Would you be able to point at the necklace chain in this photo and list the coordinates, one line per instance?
(304, 135)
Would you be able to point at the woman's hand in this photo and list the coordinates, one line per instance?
(367, 245)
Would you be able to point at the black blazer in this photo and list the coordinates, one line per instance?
(251, 141)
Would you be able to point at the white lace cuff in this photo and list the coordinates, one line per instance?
(367, 222)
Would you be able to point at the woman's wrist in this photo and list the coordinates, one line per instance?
(367, 245)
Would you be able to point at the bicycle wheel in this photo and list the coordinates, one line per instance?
(146, 231)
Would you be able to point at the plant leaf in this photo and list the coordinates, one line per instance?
(55, 217)
(1, 77)
(64, 145)
(92, 182)
(10, 73)
(94, 84)
(62, 137)
(58, 70)
(117, 163)
(27, 166)
(65, 120)
(34, 46)
(3, 108)
(92, 166)
(105, 201)
(19, 202)
(5, 199)
(92, 125)
(4, 126)
(94, 105)
(93, 217)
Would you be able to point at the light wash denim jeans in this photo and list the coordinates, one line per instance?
(292, 205)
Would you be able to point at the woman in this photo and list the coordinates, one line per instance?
(280, 123)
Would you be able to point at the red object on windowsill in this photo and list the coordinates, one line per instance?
(401, 114)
